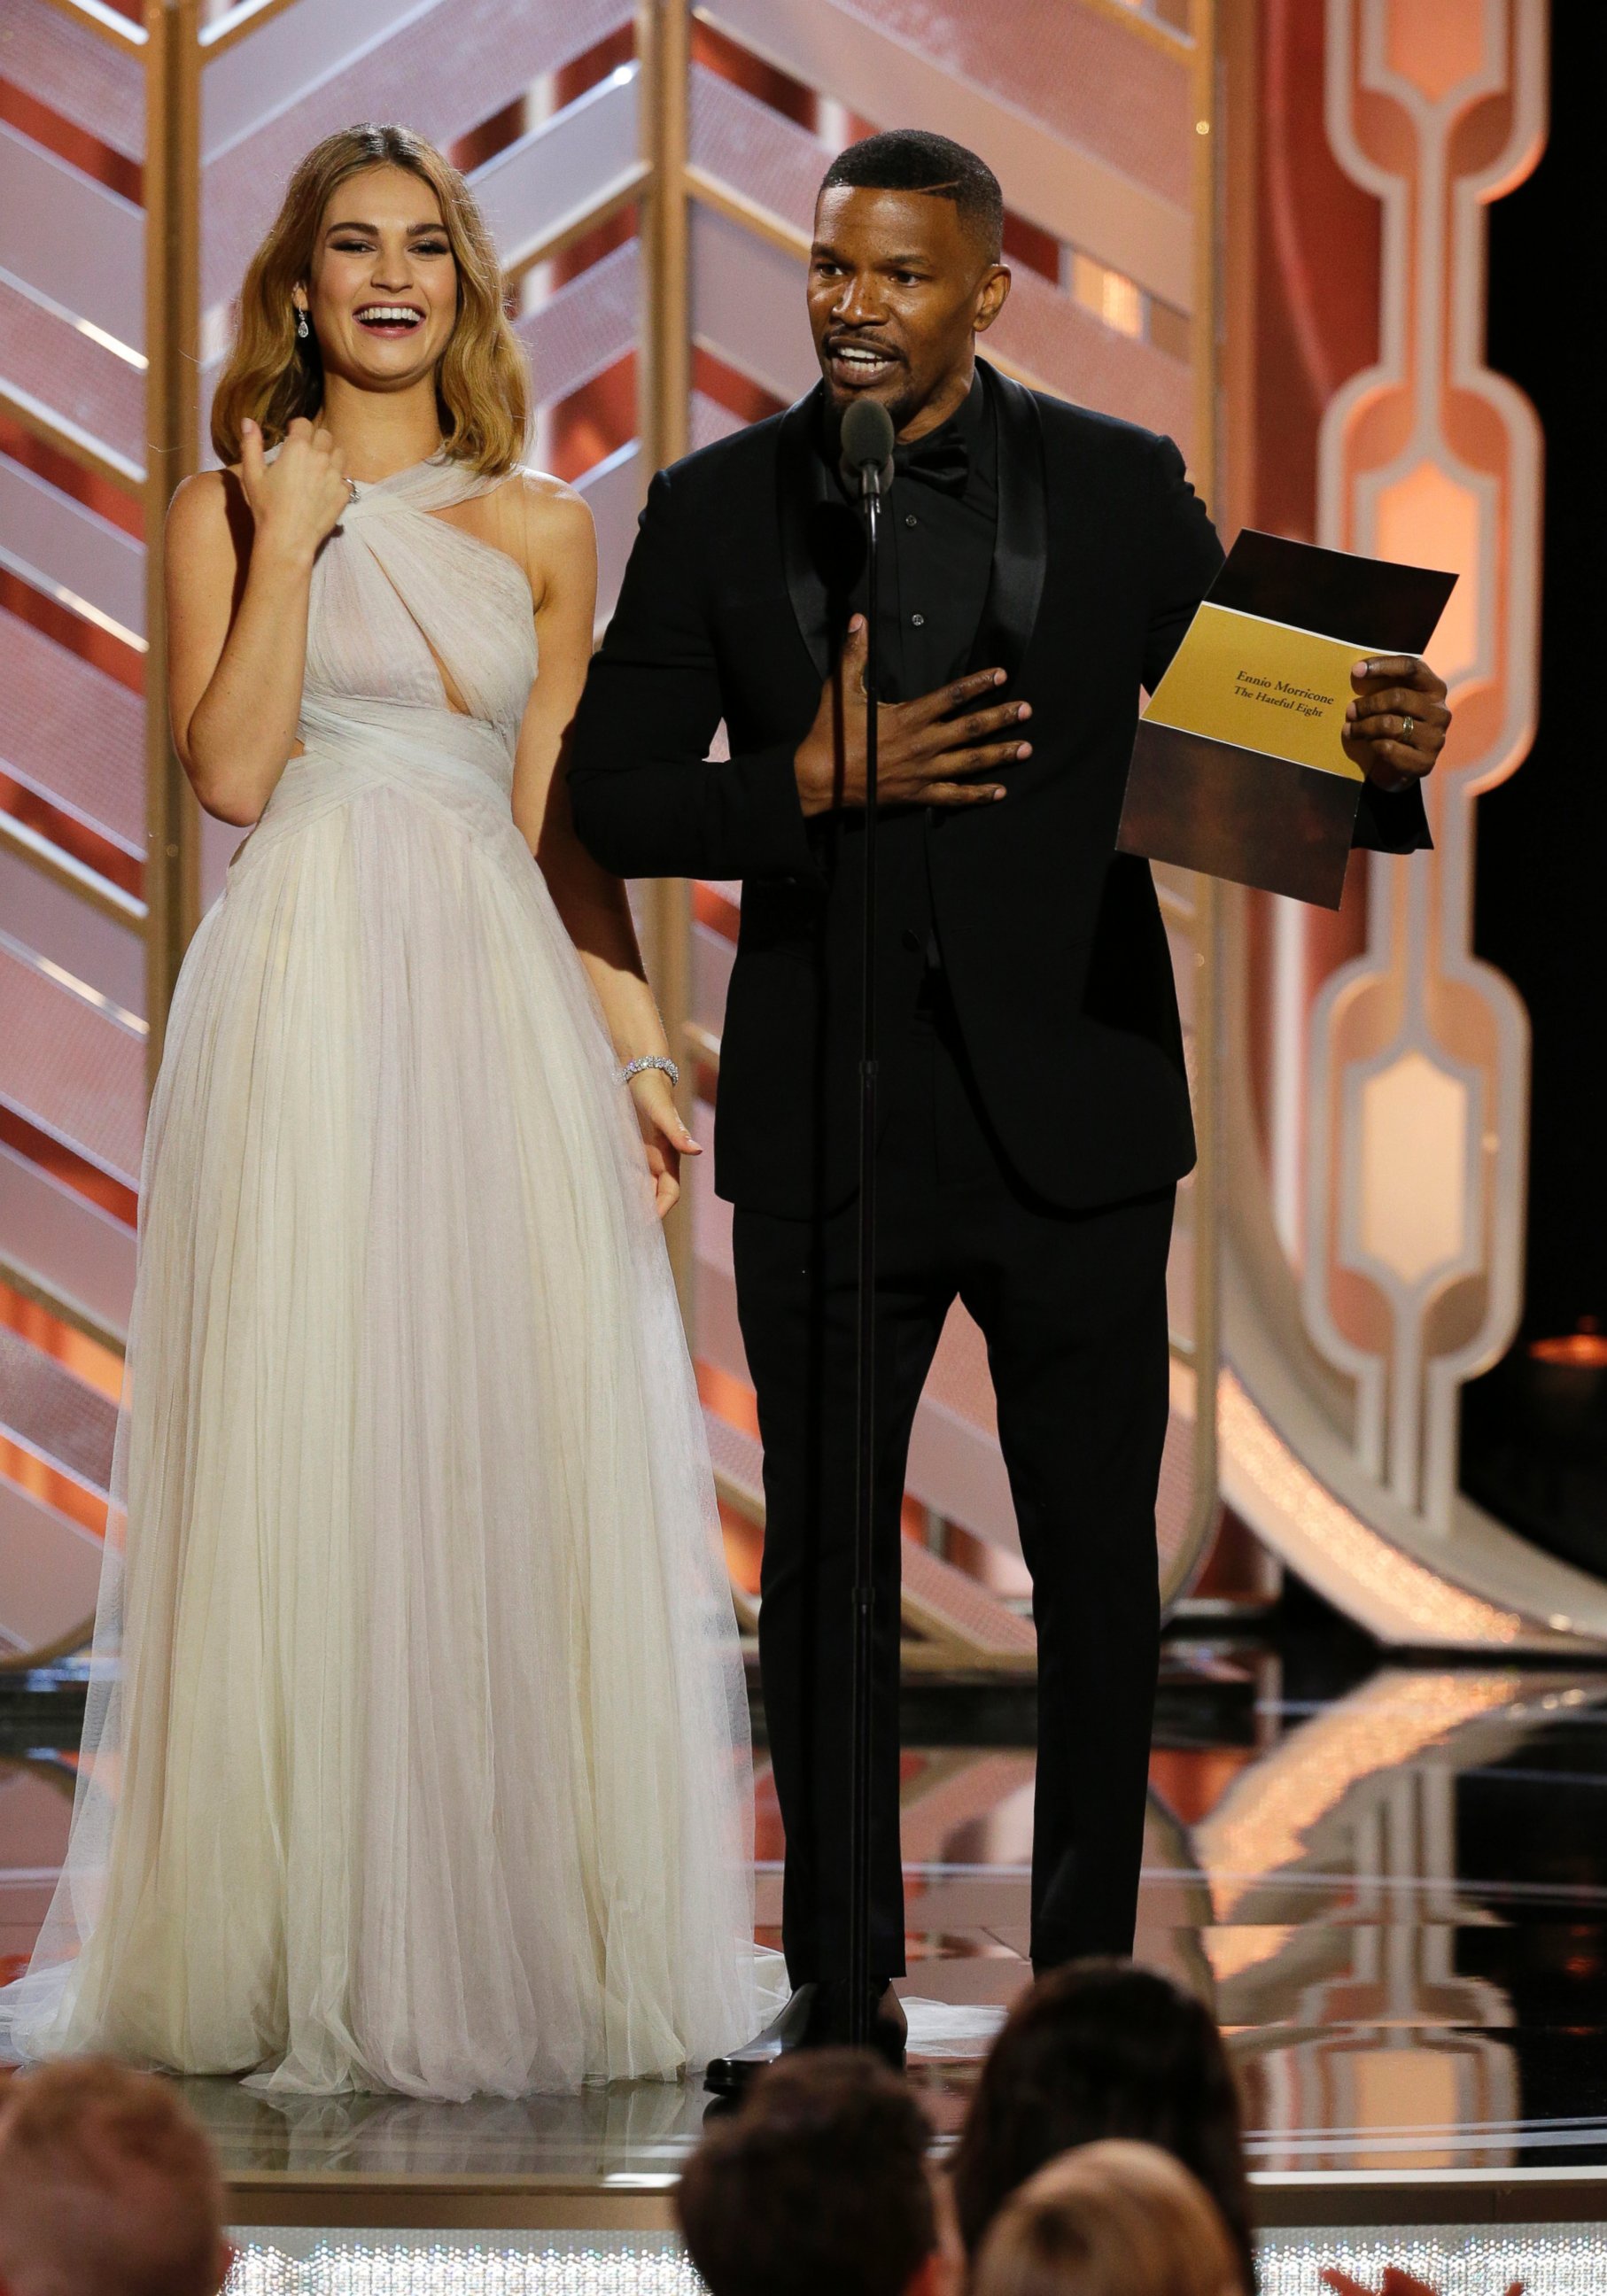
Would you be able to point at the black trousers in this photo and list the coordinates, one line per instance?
(1073, 1309)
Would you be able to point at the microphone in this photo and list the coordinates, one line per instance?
(866, 442)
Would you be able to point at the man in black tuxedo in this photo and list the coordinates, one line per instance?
(1044, 563)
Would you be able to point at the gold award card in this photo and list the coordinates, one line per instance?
(1239, 768)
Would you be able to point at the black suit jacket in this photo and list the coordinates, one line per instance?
(1052, 941)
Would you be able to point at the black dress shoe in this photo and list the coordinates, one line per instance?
(787, 2030)
(815, 2017)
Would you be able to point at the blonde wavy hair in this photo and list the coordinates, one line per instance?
(1113, 2219)
(481, 385)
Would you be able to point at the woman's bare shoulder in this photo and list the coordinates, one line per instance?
(208, 518)
(558, 536)
(550, 505)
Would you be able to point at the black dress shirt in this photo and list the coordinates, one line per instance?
(937, 556)
(936, 563)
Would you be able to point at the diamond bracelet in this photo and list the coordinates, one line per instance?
(651, 1061)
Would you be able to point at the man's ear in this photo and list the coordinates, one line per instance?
(991, 295)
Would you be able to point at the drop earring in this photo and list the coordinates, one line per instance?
(302, 326)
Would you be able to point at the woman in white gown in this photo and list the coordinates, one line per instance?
(416, 1755)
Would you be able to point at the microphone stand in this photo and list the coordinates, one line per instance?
(870, 476)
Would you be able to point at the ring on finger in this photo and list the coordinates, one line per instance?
(1406, 729)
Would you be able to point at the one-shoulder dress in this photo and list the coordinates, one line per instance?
(417, 1750)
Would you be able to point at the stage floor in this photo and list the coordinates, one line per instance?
(1391, 1881)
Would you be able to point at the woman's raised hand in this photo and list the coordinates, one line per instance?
(299, 498)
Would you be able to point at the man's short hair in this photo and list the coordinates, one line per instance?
(913, 159)
(110, 2185)
(816, 2185)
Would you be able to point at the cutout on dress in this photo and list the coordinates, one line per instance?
(452, 696)
(450, 693)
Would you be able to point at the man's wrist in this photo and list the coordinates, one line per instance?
(814, 788)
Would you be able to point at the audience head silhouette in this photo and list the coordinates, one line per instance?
(108, 2187)
(1111, 2220)
(1101, 2049)
(818, 2182)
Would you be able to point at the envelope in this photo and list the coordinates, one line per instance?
(1238, 767)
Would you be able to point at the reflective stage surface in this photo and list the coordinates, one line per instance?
(1392, 1886)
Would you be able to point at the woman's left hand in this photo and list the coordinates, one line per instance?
(667, 1137)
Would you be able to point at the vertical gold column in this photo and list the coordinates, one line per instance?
(173, 352)
(663, 44)
(1205, 195)
(664, 402)
(1236, 135)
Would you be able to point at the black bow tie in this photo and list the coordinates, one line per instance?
(941, 459)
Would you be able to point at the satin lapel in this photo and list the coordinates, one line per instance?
(800, 486)
(1021, 547)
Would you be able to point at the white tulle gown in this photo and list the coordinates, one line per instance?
(417, 1754)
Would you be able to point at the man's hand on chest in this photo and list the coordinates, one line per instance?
(938, 750)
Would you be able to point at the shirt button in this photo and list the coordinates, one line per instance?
(909, 517)
(919, 620)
